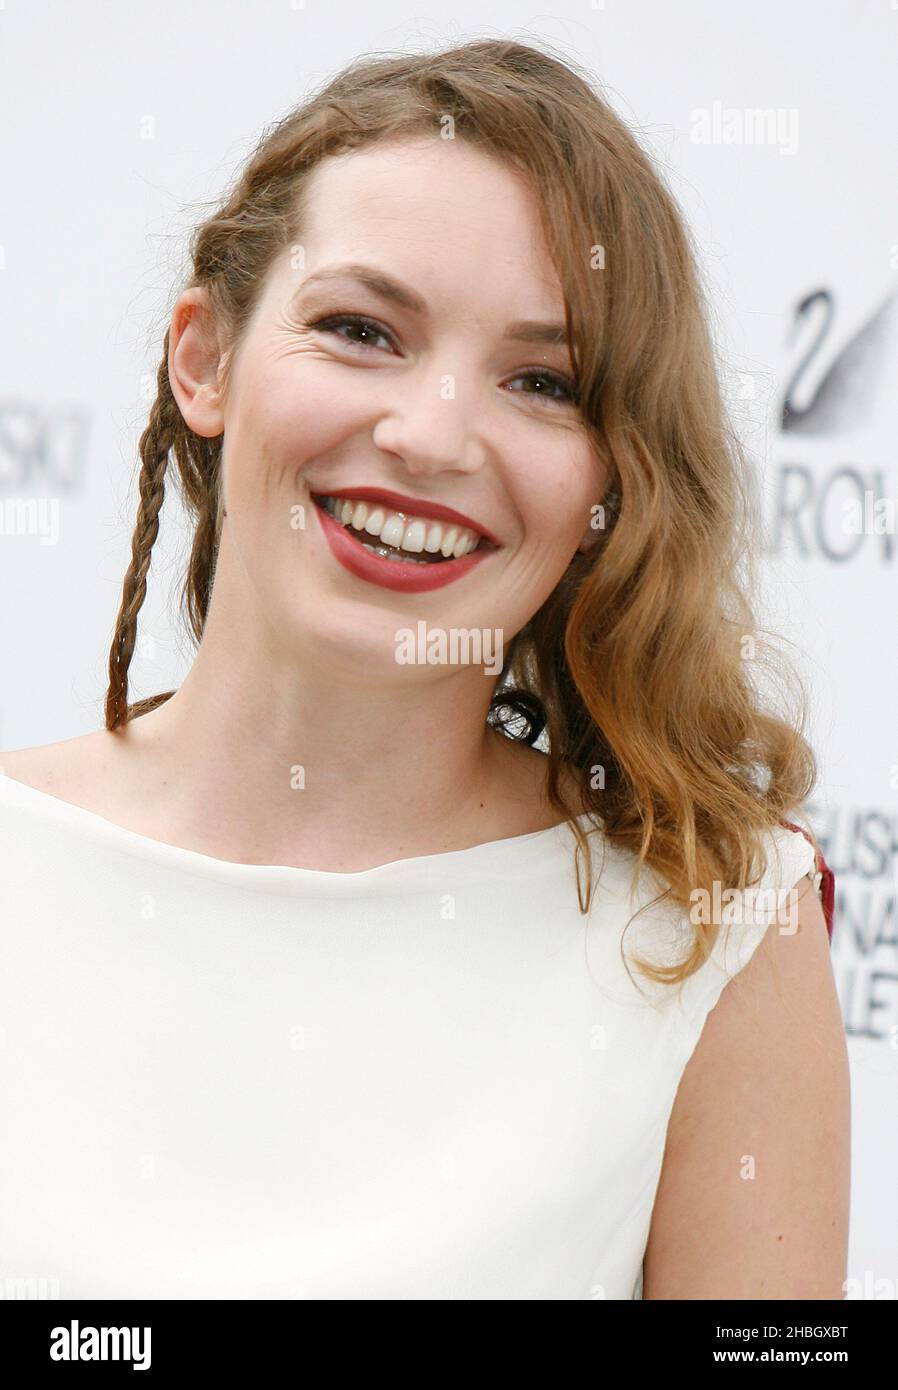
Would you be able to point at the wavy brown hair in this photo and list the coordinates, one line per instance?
(638, 667)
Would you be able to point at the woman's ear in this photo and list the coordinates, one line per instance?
(195, 363)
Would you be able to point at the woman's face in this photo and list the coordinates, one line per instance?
(435, 395)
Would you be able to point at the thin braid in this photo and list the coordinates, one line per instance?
(199, 461)
(156, 443)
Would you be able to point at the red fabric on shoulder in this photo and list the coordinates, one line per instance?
(827, 881)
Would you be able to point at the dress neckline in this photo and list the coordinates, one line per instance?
(265, 875)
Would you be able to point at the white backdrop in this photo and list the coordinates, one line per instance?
(776, 125)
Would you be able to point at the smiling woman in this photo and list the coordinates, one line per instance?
(443, 363)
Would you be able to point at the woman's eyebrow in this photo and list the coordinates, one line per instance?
(523, 331)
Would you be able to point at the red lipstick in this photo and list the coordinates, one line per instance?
(406, 577)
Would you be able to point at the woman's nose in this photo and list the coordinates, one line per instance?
(432, 427)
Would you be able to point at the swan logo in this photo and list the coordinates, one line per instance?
(826, 506)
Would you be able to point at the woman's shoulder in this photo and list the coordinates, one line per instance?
(82, 770)
(662, 931)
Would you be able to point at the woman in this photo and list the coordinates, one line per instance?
(304, 1001)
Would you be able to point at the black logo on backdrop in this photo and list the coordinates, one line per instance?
(860, 845)
(841, 509)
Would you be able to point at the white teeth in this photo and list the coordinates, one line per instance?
(449, 538)
(413, 538)
(394, 530)
(411, 533)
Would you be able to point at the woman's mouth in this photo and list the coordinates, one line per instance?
(398, 550)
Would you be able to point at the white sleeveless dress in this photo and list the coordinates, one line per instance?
(433, 1079)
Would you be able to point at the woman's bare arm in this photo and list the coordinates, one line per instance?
(754, 1191)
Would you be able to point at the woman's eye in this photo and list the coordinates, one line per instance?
(545, 383)
(549, 382)
(354, 322)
